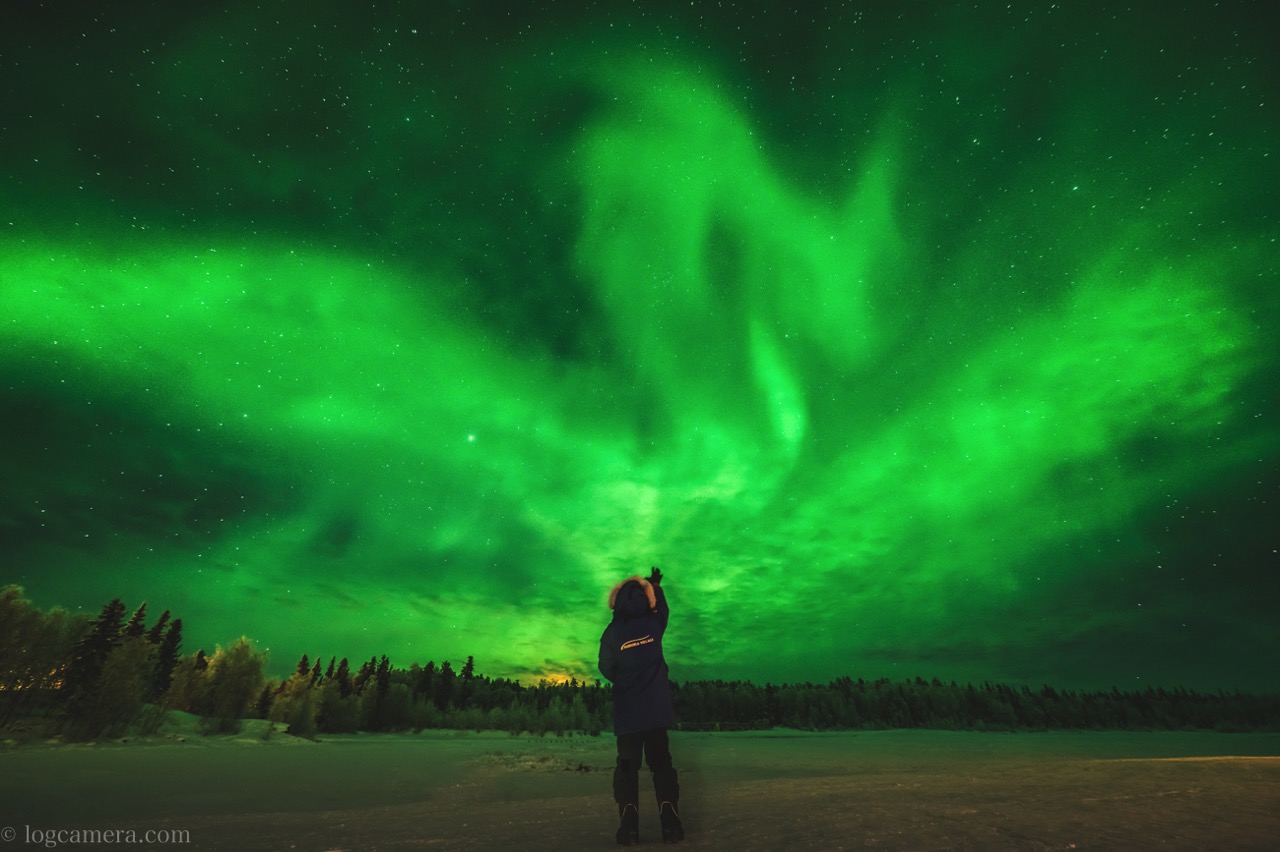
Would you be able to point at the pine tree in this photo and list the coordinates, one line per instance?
(376, 713)
(343, 676)
(262, 707)
(91, 652)
(304, 666)
(366, 672)
(167, 656)
(468, 683)
(444, 685)
(156, 634)
(136, 627)
(422, 690)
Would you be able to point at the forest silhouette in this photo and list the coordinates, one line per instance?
(83, 679)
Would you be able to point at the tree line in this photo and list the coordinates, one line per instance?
(88, 678)
(848, 704)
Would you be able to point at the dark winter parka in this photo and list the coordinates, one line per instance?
(631, 658)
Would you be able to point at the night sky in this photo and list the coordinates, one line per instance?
(907, 338)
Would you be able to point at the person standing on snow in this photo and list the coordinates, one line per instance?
(631, 659)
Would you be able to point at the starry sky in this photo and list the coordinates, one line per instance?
(907, 338)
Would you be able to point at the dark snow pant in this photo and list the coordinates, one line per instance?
(626, 775)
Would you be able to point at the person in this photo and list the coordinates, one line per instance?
(631, 659)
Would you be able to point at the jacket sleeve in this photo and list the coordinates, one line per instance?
(662, 611)
(608, 663)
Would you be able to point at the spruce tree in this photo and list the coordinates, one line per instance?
(167, 656)
(366, 671)
(343, 676)
(444, 685)
(156, 635)
(423, 688)
(136, 627)
(381, 683)
(468, 682)
(91, 652)
(262, 707)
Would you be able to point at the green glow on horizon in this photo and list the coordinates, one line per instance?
(859, 431)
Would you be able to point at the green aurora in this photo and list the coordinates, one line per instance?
(916, 342)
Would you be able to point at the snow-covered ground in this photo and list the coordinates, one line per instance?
(764, 790)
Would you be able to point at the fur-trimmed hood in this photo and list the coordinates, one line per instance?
(635, 601)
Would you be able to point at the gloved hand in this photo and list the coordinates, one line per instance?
(655, 576)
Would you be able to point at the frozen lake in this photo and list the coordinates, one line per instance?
(760, 790)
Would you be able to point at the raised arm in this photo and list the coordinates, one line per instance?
(662, 610)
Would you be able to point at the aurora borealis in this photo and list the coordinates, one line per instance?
(908, 339)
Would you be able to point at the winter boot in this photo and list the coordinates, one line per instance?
(629, 830)
(672, 830)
